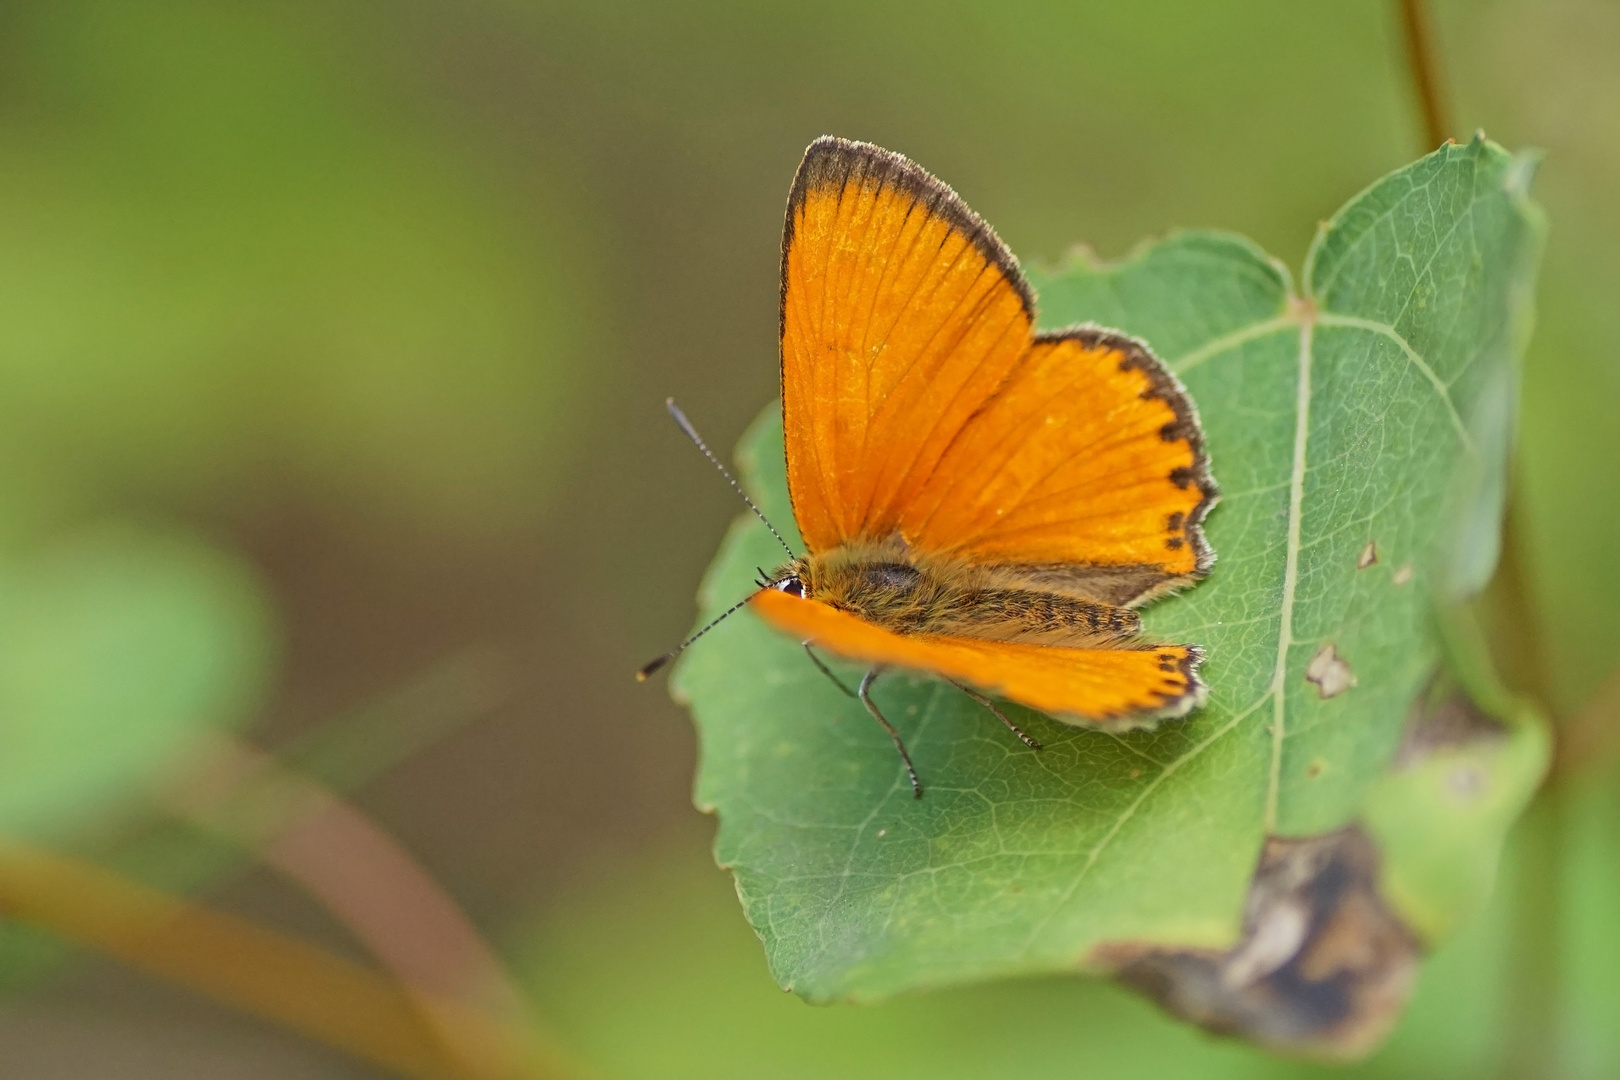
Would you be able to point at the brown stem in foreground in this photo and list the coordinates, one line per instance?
(1588, 743)
(363, 877)
(1424, 67)
(1516, 640)
(259, 971)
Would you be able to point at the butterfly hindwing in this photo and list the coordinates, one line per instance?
(1087, 467)
(1117, 688)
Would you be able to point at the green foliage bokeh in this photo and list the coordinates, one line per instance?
(419, 277)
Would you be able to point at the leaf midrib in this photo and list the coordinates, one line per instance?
(1300, 316)
(1285, 621)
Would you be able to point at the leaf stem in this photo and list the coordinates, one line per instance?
(1423, 65)
(1515, 628)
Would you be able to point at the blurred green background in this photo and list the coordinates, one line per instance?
(333, 344)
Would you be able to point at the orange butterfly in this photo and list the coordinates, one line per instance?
(980, 502)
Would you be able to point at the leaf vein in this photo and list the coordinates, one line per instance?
(1355, 322)
(1285, 625)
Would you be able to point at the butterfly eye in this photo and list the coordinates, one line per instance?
(791, 585)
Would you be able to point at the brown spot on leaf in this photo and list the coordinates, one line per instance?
(1368, 556)
(1402, 574)
(1467, 782)
(1329, 672)
(1323, 968)
(1444, 721)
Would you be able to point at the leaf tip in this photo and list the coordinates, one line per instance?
(1083, 255)
(1521, 172)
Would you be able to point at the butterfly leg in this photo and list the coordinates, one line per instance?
(825, 670)
(987, 703)
(866, 699)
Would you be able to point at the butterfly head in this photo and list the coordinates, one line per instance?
(793, 578)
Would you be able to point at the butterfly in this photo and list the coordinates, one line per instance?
(980, 502)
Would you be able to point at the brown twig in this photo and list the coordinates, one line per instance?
(257, 970)
(1516, 627)
(1424, 67)
(1589, 741)
(363, 877)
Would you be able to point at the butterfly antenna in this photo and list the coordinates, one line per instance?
(647, 671)
(691, 433)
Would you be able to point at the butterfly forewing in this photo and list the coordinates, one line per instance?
(901, 315)
(925, 422)
(917, 400)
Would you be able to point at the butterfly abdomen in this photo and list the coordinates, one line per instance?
(1023, 615)
(950, 602)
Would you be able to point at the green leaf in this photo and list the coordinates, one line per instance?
(1472, 758)
(116, 650)
(646, 971)
(1364, 409)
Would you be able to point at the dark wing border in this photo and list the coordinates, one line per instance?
(1185, 427)
(832, 162)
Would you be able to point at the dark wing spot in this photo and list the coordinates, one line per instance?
(1174, 543)
(1174, 431)
(1181, 476)
(1177, 520)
